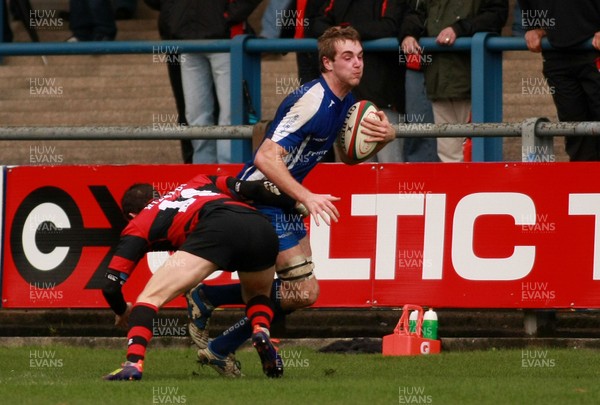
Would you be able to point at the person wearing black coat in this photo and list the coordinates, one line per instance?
(573, 76)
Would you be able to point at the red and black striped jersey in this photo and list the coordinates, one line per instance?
(165, 223)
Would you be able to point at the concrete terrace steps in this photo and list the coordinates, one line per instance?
(78, 61)
(524, 93)
(111, 86)
(81, 118)
(59, 104)
(81, 93)
(99, 65)
(97, 90)
(92, 152)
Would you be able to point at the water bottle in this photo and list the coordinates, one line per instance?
(412, 321)
(430, 325)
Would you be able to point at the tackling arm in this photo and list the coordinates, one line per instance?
(114, 297)
(112, 291)
(130, 250)
(269, 160)
(254, 191)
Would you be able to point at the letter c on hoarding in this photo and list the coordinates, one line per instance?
(46, 239)
(425, 348)
(470, 267)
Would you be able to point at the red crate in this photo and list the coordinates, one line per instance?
(403, 342)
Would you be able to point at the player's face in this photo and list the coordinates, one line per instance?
(348, 62)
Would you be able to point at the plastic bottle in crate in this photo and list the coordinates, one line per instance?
(412, 321)
(430, 325)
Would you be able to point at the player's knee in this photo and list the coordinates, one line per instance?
(296, 295)
(299, 287)
(312, 293)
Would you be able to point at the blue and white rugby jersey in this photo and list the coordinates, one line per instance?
(306, 126)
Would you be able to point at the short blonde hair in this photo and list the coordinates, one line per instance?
(326, 42)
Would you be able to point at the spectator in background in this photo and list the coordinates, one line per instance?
(418, 106)
(7, 34)
(203, 72)
(517, 26)
(125, 9)
(307, 62)
(574, 75)
(448, 76)
(92, 20)
(271, 21)
(383, 77)
(174, 71)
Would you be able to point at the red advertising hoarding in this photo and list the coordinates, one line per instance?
(62, 223)
(485, 235)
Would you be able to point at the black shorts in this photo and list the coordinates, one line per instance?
(235, 239)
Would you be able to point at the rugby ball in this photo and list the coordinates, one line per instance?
(351, 138)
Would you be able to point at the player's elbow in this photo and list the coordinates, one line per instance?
(260, 161)
(268, 155)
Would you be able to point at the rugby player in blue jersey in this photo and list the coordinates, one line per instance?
(305, 127)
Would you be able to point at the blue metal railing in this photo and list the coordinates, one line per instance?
(486, 70)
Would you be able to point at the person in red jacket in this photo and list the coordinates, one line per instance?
(208, 230)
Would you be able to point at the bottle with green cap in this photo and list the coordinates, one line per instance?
(430, 325)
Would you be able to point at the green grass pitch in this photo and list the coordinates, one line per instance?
(72, 375)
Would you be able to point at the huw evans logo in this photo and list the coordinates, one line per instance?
(44, 359)
(413, 395)
(45, 20)
(167, 395)
(45, 87)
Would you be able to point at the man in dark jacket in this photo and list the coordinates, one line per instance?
(92, 20)
(383, 76)
(448, 76)
(573, 75)
(203, 72)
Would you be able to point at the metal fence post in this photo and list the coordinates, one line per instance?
(486, 95)
(535, 148)
(244, 67)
